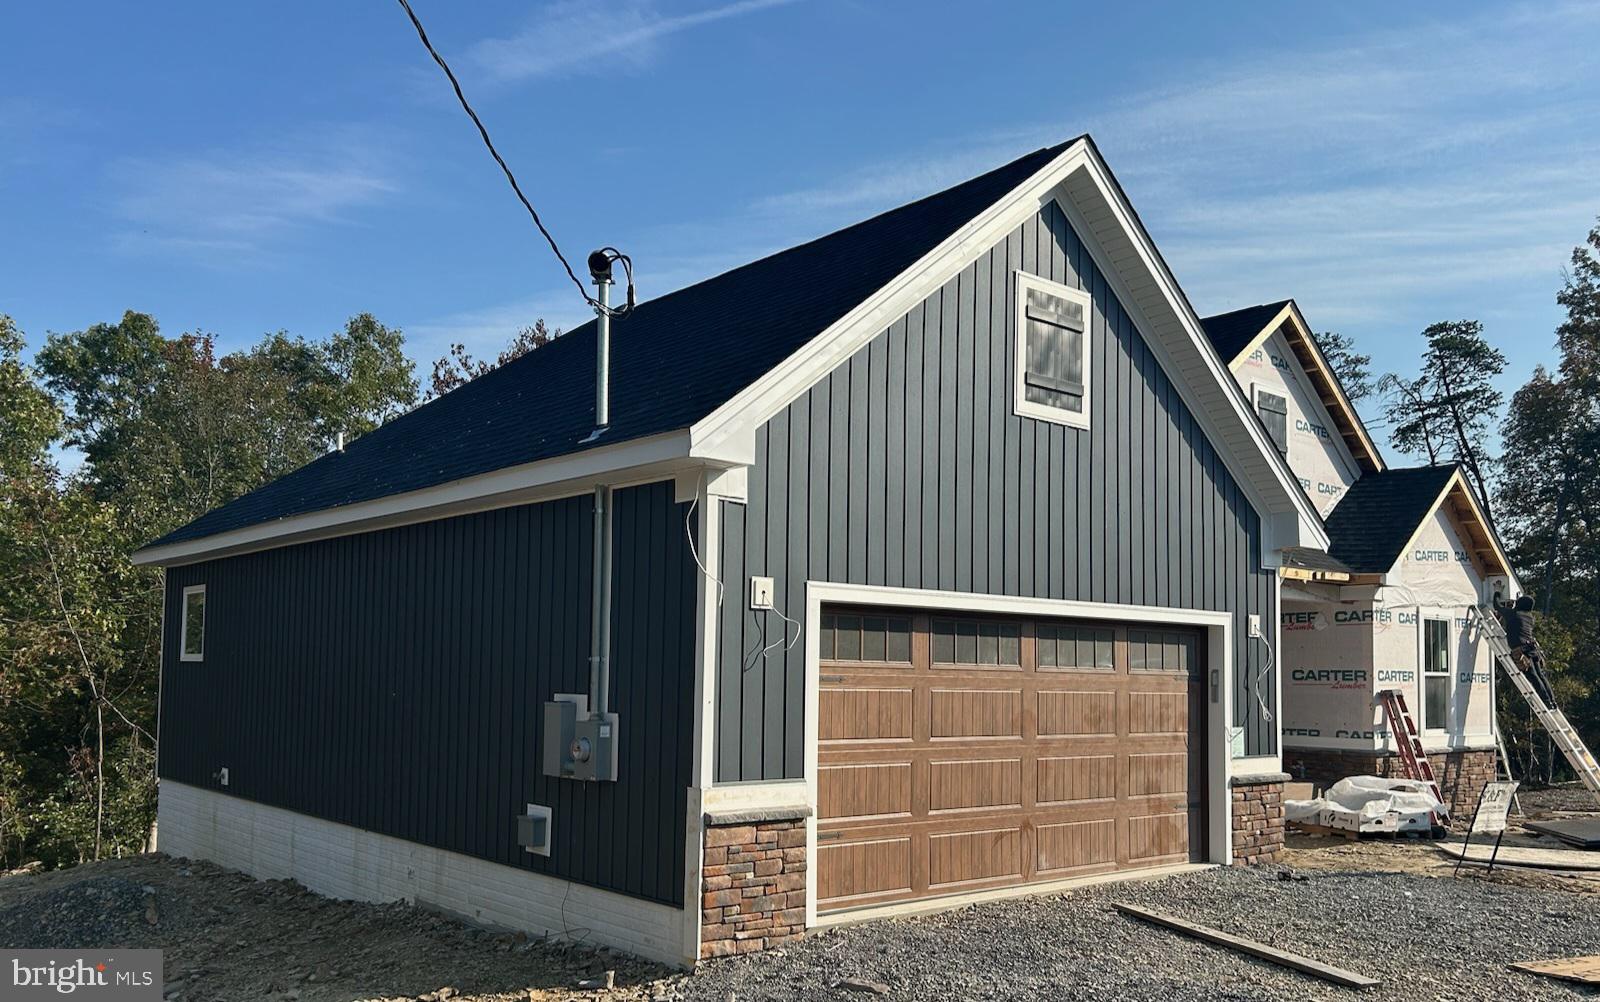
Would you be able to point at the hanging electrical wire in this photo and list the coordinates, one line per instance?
(612, 252)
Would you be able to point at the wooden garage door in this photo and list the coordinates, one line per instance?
(959, 753)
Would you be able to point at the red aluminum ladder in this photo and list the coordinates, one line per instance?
(1413, 760)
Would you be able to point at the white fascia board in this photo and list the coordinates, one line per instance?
(1253, 448)
(638, 461)
(731, 428)
(1207, 386)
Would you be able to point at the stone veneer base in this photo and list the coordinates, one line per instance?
(753, 882)
(1257, 818)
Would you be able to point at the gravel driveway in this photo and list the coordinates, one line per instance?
(228, 937)
(1430, 938)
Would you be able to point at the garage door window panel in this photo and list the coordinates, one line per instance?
(976, 643)
(865, 639)
(1075, 648)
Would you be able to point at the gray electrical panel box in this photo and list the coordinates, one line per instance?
(594, 749)
(578, 744)
(560, 727)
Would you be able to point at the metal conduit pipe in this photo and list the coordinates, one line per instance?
(600, 598)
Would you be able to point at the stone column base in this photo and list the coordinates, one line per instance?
(1258, 818)
(753, 880)
(1462, 774)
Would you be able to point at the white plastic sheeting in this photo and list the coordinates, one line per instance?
(1368, 804)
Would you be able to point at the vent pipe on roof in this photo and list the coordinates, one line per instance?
(600, 271)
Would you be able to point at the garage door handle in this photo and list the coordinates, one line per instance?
(823, 836)
(833, 678)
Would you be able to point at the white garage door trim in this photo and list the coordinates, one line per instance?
(1219, 634)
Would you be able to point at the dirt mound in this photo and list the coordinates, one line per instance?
(101, 911)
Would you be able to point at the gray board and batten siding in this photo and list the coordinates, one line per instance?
(906, 467)
(392, 681)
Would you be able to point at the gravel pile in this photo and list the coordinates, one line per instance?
(1568, 797)
(1428, 938)
(101, 911)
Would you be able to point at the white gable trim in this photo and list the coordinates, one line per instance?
(1498, 564)
(1291, 315)
(1080, 182)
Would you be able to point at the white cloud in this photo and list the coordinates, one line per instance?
(573, 35)
(1447, 166)
(242, 201)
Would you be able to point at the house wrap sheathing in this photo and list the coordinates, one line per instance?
(1340, 652)
(1318, 455)
(1388, 604)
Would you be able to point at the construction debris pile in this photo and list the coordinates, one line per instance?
(1369, 805)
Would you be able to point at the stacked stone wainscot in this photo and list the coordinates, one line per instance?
(753, 880)
(1258, 818)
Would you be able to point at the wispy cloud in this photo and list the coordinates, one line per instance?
(243, 201)
(485, 331)
(574, 35)
(1394, 172)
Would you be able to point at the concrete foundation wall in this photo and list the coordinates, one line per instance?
(344, 862)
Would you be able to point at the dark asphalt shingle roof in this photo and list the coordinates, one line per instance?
(1230, 332)
(1379, 513)
(673, 361)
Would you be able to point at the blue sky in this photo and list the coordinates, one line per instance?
(242, 168)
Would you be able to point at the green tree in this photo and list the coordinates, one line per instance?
(1353, 368)
(458, 366)
(69, 602)
(1549, 493)
(1447, 410)
(168, 429)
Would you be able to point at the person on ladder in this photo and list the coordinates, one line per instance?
(1518, 619)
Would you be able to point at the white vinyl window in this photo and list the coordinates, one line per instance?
(1435, 674)
(1052, 351)
(1274, 411)
(192, 627)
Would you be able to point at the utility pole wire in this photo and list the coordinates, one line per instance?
(423, 35)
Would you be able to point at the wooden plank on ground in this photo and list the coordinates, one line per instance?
(1283, 958)
(1581, 832)
(1582, 970)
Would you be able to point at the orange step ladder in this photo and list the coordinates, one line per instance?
(1413, 760)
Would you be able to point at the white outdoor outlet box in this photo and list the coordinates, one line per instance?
(222, 776)
(1255, 625)
(761, 590)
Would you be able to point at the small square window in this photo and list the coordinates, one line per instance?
(1052, 351)
(192, 629)
(1274, 411)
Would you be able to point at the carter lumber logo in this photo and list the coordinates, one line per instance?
(1337, 678)
(1312, 428)
(115, 974)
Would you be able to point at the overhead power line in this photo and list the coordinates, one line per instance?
(506, 169)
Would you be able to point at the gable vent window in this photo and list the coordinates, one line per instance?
(1052, 351)
(1274, 411)
(192, 630)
